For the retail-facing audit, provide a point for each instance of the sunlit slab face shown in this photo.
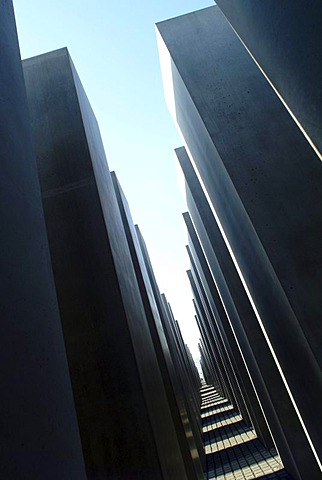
(166, 72)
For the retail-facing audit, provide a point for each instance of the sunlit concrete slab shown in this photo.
(221, 319)
(285, 41)
(115, 376)
(234, 453)
(221, 278)
(263, 183)
(176, 443)
(217, 405)
(39, 431)
(192, 431)
(214, 336)
(189, 377)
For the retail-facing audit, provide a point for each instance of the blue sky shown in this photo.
(113, 46)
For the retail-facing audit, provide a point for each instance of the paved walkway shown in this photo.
(232, 448)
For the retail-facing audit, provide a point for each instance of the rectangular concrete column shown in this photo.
(211, 345)
(229, 339)
(213, 358)
(175, 443)
(286, 42)
(211, 355)
(210, 377)
(215, 341)
(39, 431)
(275, 401)
(115, 375)
(263, 182)
(192, 436)
(191, 396)
(214, 372)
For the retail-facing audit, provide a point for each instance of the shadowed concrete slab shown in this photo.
(39, 431)
(262, 181)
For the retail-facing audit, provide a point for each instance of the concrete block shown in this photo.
(285, 41)
(263, 183)
(171, 433)
(107, 338)
(223, 280)
(191, 435)
(39, 431)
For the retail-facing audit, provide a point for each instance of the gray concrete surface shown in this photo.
(109, 347)
(285, 40)
(39, 431)
(176, 444)
(233, 451)
(192, 436)
(228, 335)
(263, 181)
(223, 280)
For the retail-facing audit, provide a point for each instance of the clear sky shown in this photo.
(113, 46)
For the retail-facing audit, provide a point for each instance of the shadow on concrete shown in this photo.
(219, 417)
(223, 433)
(215, 405)
(237, 457)
(214, 408)
(281, 475)
(239, 454)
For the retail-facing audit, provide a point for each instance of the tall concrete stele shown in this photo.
(285, 41)
(261, 182)
(178, 380)
(128, 427)
(39, 431)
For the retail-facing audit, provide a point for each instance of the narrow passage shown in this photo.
(233, 450)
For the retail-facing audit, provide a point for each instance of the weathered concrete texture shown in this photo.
(263, 182)
(220, 327)
(190, 381)
(115, 377)
(232, 449)
(275, 402)
(214, 361)
(169, 422)
(39, 431)
(209, 365)
(223, 280)
(190, 439)
(225, 290)
(214, 349)
(285, 40)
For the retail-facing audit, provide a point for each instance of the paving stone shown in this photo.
(232, 448)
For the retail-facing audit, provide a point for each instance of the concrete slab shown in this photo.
(286, 42)
(39, 431)
(174, 362)
(263, 181)
(174, 443)
(223, 280)
(113, 375)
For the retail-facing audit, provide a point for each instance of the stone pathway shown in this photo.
(232, 449)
